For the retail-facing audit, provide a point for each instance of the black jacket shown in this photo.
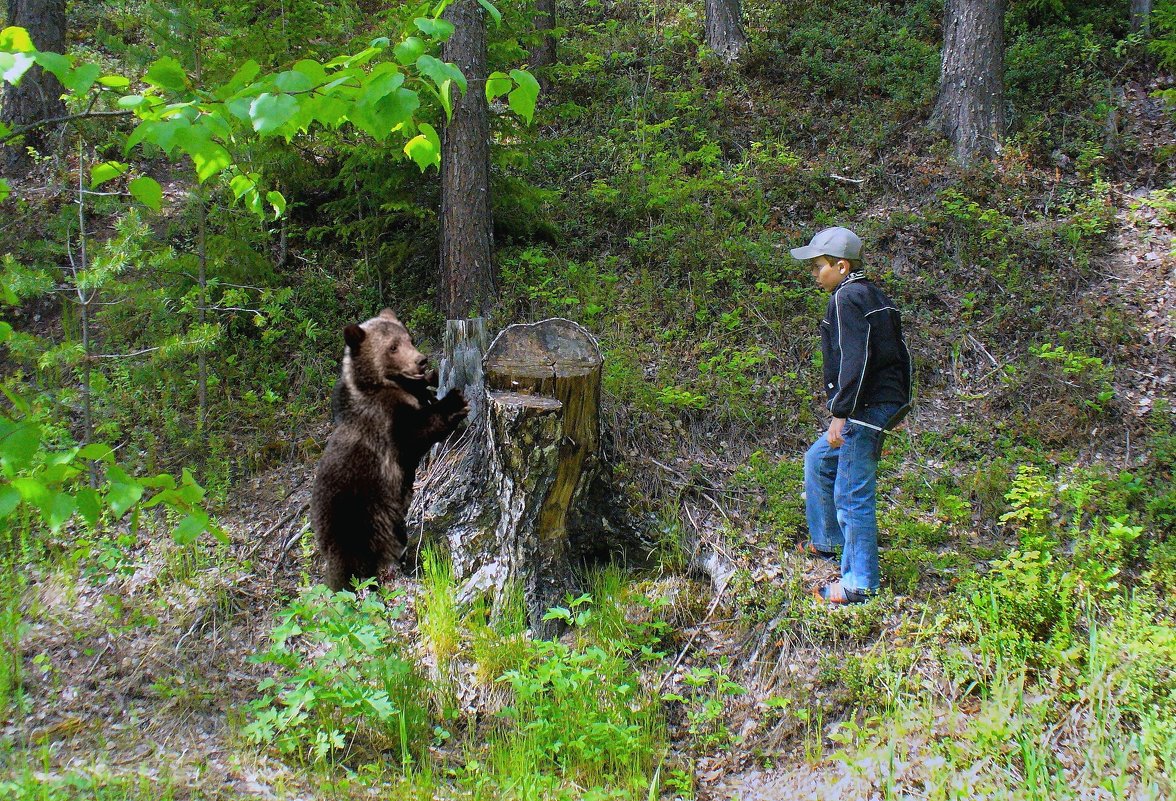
(866, 358)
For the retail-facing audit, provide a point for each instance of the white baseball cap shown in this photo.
(837, 242)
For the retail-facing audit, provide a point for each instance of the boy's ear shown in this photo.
(353, 335)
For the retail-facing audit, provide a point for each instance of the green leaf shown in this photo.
(270, 112)
(32, 491)
(383, 81)
(131, 102)
(114, 81)
(190, 528)
(491, 10)
(5, 328)
(211, 161)
(147, 191)
(9, 500)
(312, 70)
(293, 81)
(240, 184)
(241, 78)
(498, 84)
(161, 481)
(101, 173)
(81, 79)
(14, 65)
(166, 73)
(122, 496)
(59, 510)
(4, 190)
(208, 156)
(55, 63)
(16, 39)
(19, 444)
(438, 29)
(276, 200)
(522, 99)
(425, 148)
(89, 506)
(97, 452)
(439, 71)
(408, 51)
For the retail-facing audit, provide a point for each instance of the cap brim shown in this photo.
(805, 253)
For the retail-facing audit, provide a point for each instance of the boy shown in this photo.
(868, 383)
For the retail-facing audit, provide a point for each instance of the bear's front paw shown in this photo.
(455, 407)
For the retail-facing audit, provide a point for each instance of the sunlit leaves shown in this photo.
(270, 112)
(101, 173)
(425, 147)
(520, 86)
(17, 40)
(4, 190)
(114, 81)
(277, 201)
(166, 73)
(147, 191)
(522, 99)
(437, 29)
(377, 90)
(498, 84)
(408, 51)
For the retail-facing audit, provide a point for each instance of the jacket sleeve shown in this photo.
(853, 339)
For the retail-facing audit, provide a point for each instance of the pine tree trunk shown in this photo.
(544, 52)
(724, 31)
(1141, 16)
(467, 278)
(970, 106)
(38, 95)
(506, 494)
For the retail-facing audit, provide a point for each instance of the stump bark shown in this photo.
(504, 496)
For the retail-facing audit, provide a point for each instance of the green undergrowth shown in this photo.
(573, 712)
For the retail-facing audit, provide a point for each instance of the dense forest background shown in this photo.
(172, 306)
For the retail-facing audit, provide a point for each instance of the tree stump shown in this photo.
(504, 495)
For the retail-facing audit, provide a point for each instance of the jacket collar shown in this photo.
(849, 279)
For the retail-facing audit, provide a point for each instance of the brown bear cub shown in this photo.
(386, 418)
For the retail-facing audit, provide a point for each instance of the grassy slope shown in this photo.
(670, 188)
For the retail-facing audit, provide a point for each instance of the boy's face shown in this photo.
(828, 272)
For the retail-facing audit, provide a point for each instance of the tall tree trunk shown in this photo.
(467, 279)
(724, 31)
(38, 95)
(1141, 16)
(544, 53)
(970, 106)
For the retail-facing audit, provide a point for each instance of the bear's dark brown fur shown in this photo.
(386, 418)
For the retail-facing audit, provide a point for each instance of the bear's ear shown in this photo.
(388, 314)
(353, 335)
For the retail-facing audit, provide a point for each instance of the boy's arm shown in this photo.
(853, 339)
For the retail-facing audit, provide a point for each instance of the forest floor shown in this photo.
(141, 671)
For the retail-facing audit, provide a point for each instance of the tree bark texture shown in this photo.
(38, 95)
(467, 278)
(544, 53)
(1141, 16)
(724, 32)
(970, 106)
(504, 495)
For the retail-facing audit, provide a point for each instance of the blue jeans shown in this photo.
(840, 500)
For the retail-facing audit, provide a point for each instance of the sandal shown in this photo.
(835, 593)
(808, 549)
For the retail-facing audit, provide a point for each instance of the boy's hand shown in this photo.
(834, 434)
